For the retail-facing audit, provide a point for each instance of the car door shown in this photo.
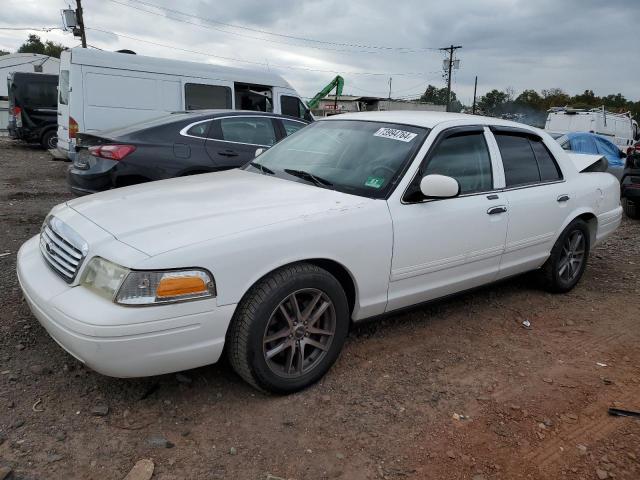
(442, 246)
(233, 140)
(536, 195)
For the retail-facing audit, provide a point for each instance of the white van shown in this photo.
(100, 90)
(620, 128)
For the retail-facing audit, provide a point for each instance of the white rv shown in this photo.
(100, 90)
(620, 128)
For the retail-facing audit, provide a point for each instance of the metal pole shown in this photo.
(389, 97)
(83, 36)
(450, 49)
(475, 90)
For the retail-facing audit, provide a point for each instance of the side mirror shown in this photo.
(259, 151)
(439, 186)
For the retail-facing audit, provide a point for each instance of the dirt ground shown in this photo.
(456, 390)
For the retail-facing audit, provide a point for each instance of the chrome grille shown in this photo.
(62, 248)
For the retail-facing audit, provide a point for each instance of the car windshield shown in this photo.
(352, 156)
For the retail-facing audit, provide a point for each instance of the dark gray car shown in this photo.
(182, 143)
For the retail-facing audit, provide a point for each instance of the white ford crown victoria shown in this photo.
(352, 217)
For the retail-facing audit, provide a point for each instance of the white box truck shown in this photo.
(620, 128)
(99, 90)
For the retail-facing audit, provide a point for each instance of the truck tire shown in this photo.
(631, 209)
(289, 329)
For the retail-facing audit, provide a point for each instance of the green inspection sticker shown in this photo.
(374, 182)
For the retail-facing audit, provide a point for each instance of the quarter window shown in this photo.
(466, 158)
(252, 130)
(549, 170)
(198, 96)
(199, 130)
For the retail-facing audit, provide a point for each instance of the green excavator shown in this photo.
(336, 83)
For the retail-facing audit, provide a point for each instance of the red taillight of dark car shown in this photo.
(16, 111)
(111, 152)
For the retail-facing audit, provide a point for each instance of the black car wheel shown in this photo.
(289, 329)
(631, 208)
(49, 140)
(568, 260)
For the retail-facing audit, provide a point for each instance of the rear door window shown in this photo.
(40, 95)
(250, 130)
(518, 159)
(198, 96)
(464, 157)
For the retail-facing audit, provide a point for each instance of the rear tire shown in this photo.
(631, 209)
(49, 140)
(565, 266)
(289, 329)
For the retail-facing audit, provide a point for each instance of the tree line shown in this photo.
(532, 105)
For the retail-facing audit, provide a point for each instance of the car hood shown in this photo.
(160, 216)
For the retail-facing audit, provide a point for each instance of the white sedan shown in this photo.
(352, 217)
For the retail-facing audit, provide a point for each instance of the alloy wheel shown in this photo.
(572, 256)
(299, 333)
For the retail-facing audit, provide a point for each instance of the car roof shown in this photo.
(427, 119)
(572, 135)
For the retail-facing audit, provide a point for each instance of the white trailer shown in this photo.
(21, 62)
(100, 90)
(620, 128)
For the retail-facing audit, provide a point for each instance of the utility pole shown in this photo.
(80, 21)
(389, 97)
(475, 90)
(450, 49)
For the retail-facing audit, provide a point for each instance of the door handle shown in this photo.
(496, 210)
(228, 153)
(563, 198)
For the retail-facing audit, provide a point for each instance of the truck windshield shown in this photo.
(353, 156)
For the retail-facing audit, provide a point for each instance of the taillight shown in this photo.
(16, 111)
(73, 127)
(112, 152)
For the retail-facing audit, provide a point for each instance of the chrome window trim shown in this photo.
(184, 131)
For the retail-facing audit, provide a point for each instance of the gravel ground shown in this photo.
(456, 390)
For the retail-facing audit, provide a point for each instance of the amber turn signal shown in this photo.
(177, 286)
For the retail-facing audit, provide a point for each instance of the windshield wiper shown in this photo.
(262, 168)
(310, 177)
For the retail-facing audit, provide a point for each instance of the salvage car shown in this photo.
(353, 217)
(179, 144)
(592, 144)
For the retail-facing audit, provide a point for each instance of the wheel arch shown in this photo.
(588, 217)
(335, 268)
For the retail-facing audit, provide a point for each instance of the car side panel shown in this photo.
(252, 254)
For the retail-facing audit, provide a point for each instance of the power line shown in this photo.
(38, 29)
(263, 64)
(281, 35)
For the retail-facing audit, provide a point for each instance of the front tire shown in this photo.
(289, 329)
(566, 264)
(631, 209)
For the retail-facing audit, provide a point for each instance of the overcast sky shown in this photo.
(569, 44)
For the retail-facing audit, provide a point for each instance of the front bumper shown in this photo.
(121, 341)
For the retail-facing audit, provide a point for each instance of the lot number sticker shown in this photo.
(395, 134)
(374, 182)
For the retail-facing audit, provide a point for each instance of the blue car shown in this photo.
(584, 142)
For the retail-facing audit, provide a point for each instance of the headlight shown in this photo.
(142, 287)
(103, 277)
